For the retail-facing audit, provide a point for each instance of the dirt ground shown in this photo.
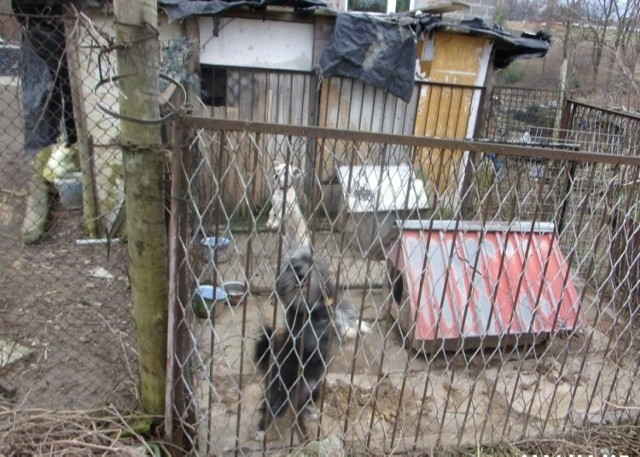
(77, 328)
(384, 398)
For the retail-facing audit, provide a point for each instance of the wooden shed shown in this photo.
(261, 66)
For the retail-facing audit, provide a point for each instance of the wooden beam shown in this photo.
(84, 145)
(139, 58)
(179, 345)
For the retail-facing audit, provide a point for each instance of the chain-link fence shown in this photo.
(500, 310)
(66, 333)
(472, 293)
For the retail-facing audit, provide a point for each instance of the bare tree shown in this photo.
(600, 20)
(521, 10)
(626, 14)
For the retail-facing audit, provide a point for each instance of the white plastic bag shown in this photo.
(63, 160)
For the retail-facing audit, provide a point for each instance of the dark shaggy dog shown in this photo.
(295, 357)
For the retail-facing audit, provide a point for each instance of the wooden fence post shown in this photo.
(138, 65)
(85, 145)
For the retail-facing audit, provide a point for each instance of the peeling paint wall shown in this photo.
(448, 112)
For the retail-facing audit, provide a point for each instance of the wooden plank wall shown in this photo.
(353, 105)
(261, 96)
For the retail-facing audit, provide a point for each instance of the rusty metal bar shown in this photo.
(604, 110)
(519, 289)
(469, 296)
(247, 274)
(384, 345)
(392, 298)
(439, 319)
(589, 341)
(338, 284)
(422, 279)
(501, 270)
(222, 153)
(448, 85)
(353, 365)
(426, 142)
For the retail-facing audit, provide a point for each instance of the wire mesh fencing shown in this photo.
(512, 111)
(607, 131)
(391, 294)
(452, 293)
(66, 333)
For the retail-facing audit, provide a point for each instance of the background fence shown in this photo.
(511, 112)
(382, 395)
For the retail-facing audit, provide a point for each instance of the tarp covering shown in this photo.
(179, 9)
(46, 92)
(381, 49)
(508, 47)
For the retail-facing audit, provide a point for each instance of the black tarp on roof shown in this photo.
(179, 9)
(381, 49)
(378, 49)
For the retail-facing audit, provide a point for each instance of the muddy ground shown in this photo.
(381, 397)
(77, 328)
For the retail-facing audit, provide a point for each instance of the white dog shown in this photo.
(286, 211)
(285, 175)
(285, 206)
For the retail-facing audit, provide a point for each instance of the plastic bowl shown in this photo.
(70, 190)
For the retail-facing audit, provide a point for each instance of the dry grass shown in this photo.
(594, 440)
(103, 431)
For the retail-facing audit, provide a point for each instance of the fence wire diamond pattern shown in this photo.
(567, 350)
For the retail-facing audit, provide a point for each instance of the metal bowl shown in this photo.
(205, 299)
(216, 249)
(236, 291)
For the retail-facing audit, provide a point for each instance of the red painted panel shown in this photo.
(486, 283)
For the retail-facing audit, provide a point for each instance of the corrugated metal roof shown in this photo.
(519, 286)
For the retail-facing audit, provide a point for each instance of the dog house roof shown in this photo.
(485, 281)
